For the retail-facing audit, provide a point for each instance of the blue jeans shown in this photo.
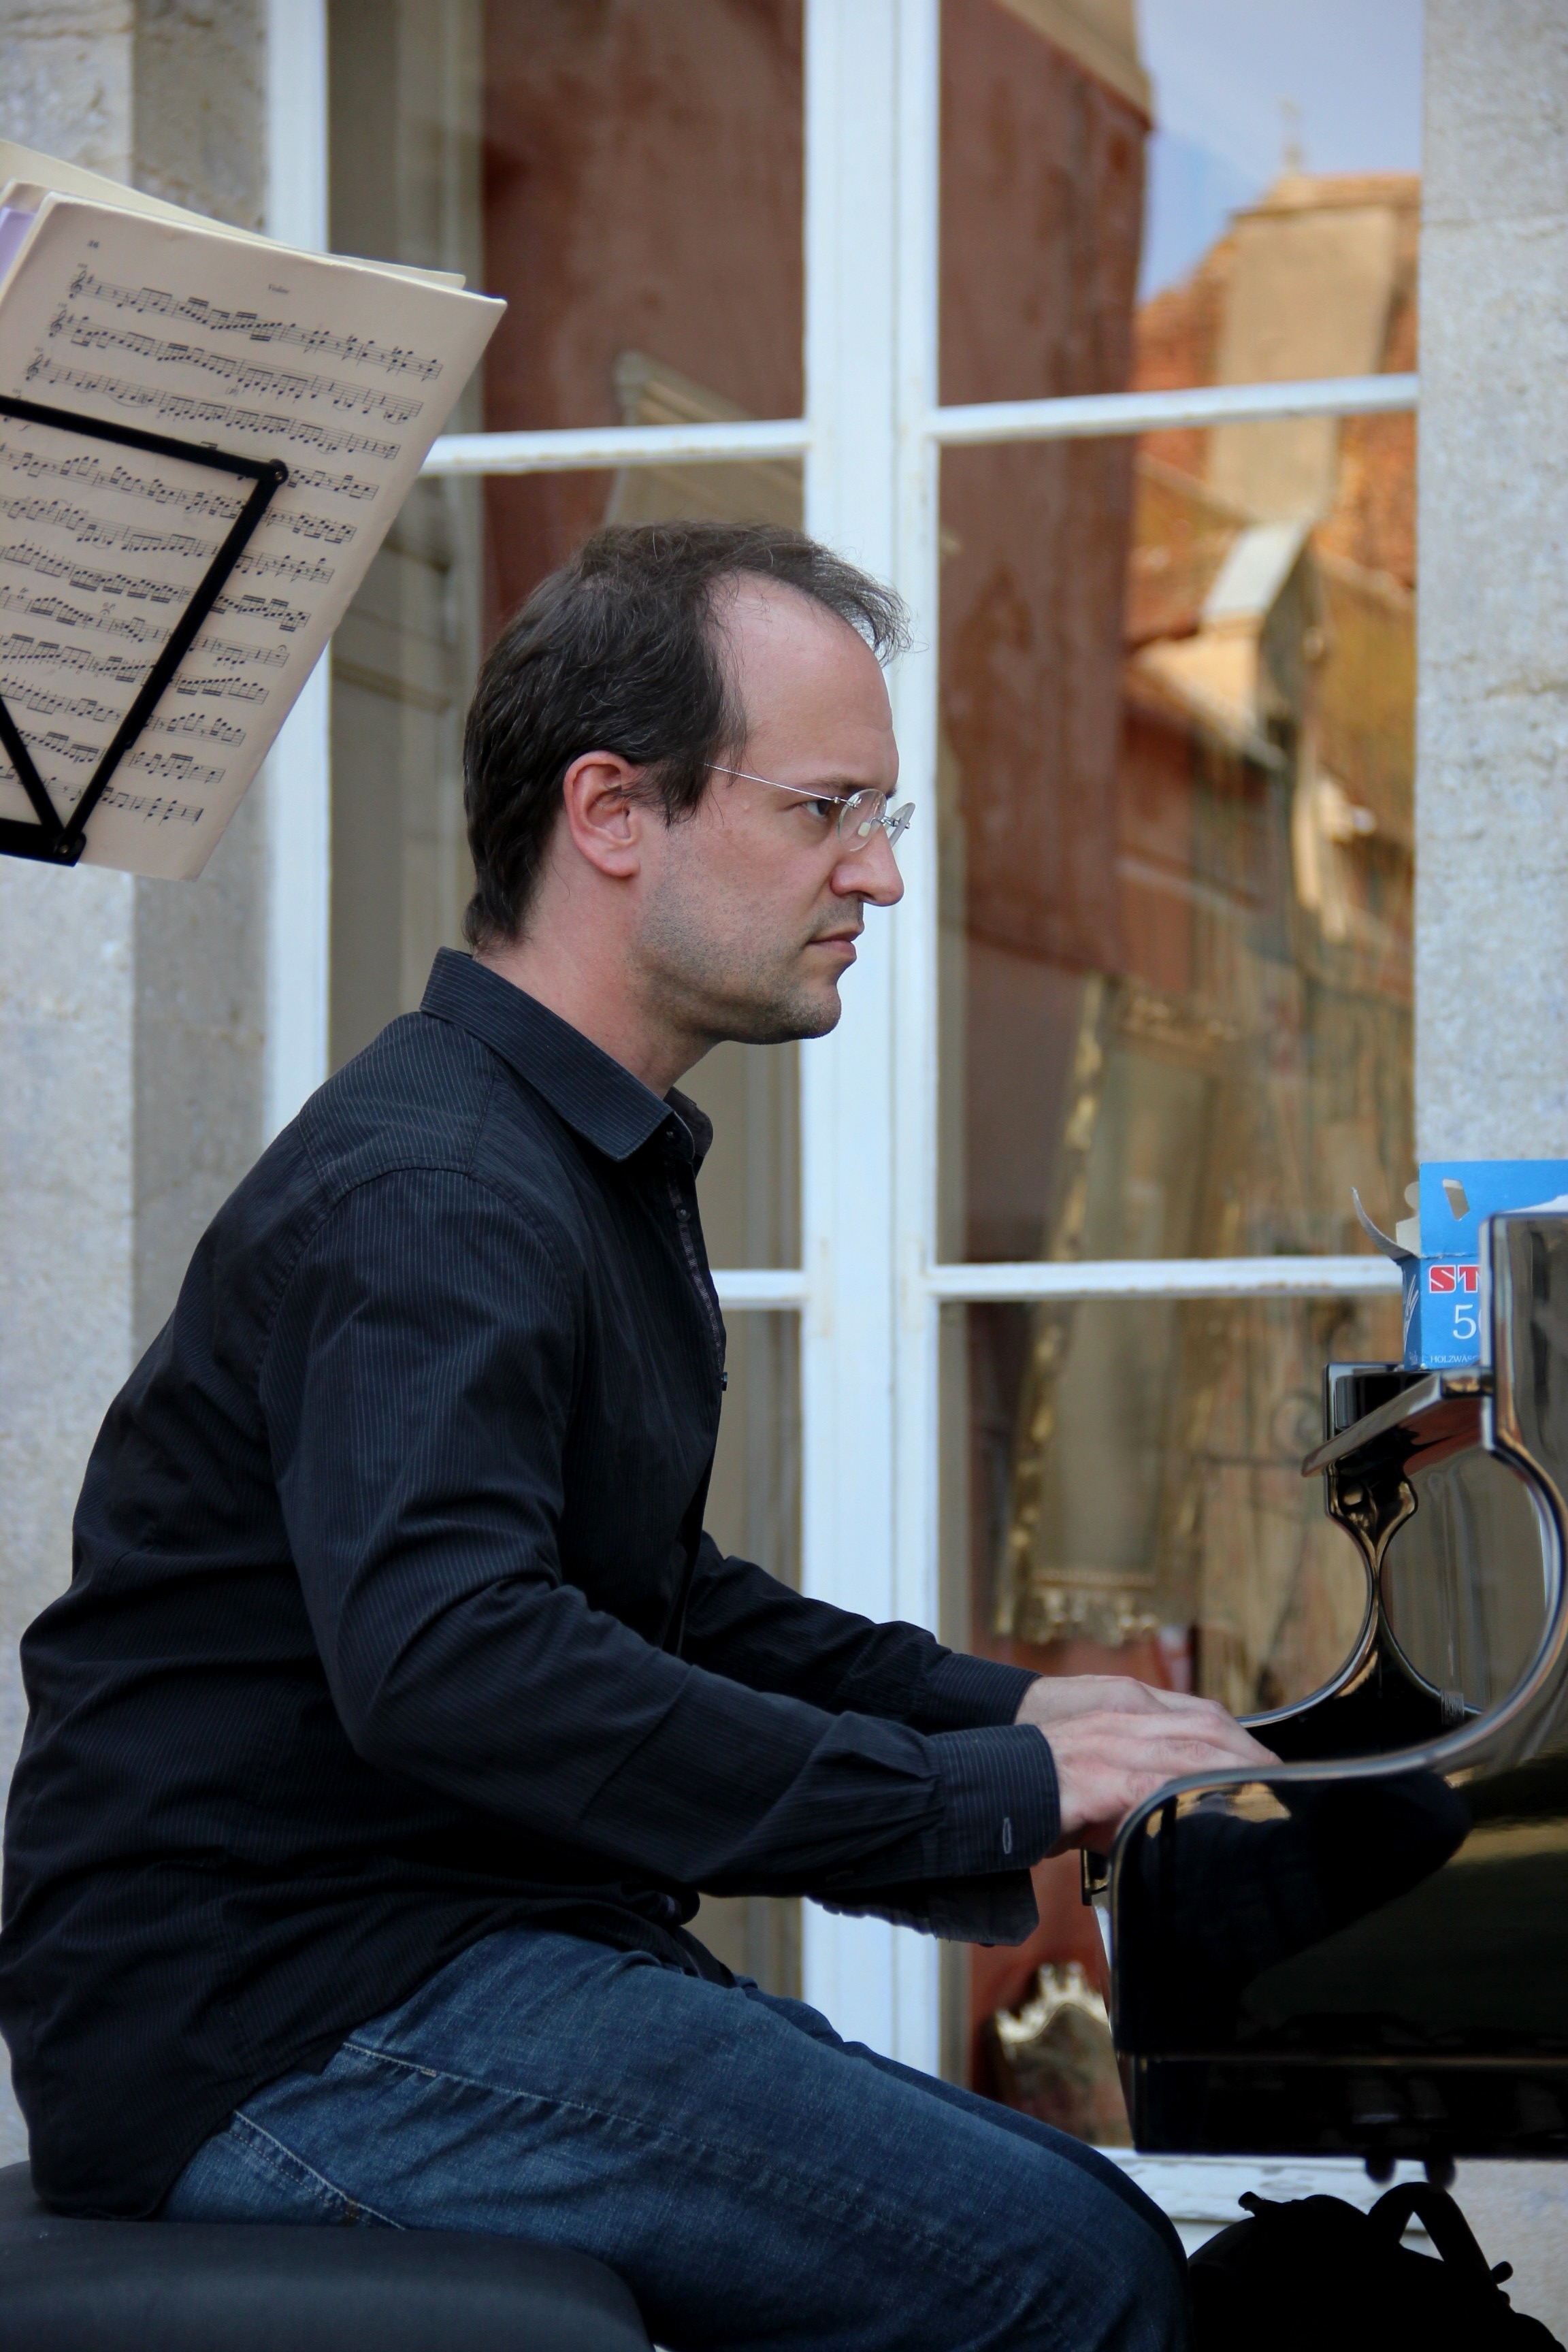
(755, 2180)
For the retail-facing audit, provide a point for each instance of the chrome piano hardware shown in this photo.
(1366, 1952)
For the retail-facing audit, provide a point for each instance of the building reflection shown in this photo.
(1204, 1054)
(1221, 1049)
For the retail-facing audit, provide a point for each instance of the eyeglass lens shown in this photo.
(863, 813)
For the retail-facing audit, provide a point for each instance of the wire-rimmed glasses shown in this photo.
(861, 814)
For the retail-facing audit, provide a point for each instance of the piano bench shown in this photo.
(191, 2286)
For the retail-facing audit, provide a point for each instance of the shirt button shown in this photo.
(684, 1215)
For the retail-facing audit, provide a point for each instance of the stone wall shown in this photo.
(1491, 849)
(131, 1012)
(1492, 800)
(65, 78)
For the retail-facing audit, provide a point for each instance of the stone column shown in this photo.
(1492, 800)
(131, 1012)
(198, 138)
(1492, 803)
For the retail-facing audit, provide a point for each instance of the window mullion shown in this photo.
(1164, 1277)
(875, 1981)
(296, 778)
(914, 1035)
(985, 424)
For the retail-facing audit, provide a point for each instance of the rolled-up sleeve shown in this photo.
(419, 1389)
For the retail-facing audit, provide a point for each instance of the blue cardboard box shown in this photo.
(1437, 1251)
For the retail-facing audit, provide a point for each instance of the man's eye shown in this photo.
(825, 810)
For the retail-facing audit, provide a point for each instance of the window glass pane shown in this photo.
(1466, 1584)
(1252, 163)
(753, 1509)
(567, 159)
(1128, 1479)
(1043, 116)
(1176, 806)
(643, 211)
(750, 1183)
(1263, 108)
(1122, 1493)
(406, 185)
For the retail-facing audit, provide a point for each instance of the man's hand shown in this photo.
(1115, 1741)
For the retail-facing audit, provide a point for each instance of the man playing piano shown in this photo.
(399, 1706)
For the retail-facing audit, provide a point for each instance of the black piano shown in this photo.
(1365, 1952)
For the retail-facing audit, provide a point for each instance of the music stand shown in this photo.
(59, 841)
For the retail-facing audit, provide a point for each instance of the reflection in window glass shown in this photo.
(1178, 707)
(750, 1182)
(1177, 719)
(1122, 1493)
(1131, 1482)
(1251, 155)
(1466, 1580)
(753, 1510)
(1177, 834)
(1317, 279)
(1045, 109)
(405, 186)
(1251, 93)
(643, 204)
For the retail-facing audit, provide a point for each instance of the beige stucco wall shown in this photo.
(1491, 854)
(64, 78)
(1491, 823)
(131, 1012)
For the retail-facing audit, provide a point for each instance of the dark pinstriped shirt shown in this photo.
(392, 1619)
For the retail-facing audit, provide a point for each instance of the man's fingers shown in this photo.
(1109, 1762)
(1052, 1699)
(1115, 1741)
(1144, 1737)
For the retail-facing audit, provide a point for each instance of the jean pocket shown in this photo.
(247, 2174)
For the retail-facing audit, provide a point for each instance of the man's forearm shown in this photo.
(746, 1624)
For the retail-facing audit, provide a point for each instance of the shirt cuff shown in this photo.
(1000, 1807)
(962, 1693)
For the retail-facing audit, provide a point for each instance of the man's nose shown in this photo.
(871, 873)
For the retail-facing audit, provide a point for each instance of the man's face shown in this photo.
(753, 903)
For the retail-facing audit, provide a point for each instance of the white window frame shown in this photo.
(297, 779)
(870, 1287)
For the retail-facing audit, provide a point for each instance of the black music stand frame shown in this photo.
(59, 841)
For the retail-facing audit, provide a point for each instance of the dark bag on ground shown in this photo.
(1319, 2273)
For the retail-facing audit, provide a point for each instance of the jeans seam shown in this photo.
(797, 2184)
(262, 2159)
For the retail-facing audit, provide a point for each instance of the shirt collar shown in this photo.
(594, 1094)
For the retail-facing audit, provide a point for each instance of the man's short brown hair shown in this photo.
(619, 651)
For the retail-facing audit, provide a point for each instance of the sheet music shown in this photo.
(345, 373)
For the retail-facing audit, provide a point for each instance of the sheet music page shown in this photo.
(345, 373)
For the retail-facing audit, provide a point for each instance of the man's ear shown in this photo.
(604, 816)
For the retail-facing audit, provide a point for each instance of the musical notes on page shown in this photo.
(343, 372)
